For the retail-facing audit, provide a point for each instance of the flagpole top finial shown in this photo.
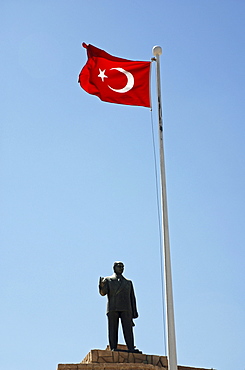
(157, 50)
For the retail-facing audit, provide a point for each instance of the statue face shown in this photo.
(118, 268)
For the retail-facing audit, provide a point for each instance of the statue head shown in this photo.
(118, 267)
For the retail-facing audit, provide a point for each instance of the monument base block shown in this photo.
(98, 359)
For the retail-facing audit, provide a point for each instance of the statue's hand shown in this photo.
(103, 288)
(102, 282)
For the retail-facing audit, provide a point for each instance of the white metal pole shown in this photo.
(172, 353)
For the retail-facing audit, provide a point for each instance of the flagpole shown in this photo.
(172, 352)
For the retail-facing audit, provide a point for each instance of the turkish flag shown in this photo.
(116, 80)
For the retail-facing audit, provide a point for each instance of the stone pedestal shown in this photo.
(106, 359)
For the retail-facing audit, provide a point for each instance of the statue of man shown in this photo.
(121, 304)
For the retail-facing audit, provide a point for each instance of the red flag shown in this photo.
(116, 80)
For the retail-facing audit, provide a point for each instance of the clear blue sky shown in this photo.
(77, 186)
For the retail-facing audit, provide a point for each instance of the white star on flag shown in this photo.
(102, 75)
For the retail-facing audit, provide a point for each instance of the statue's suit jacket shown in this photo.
(120, 295)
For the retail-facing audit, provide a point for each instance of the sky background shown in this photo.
(77, 184)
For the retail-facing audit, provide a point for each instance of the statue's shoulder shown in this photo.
(110, 278)
(127, 280)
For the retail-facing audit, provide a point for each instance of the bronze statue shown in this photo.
(121, 304)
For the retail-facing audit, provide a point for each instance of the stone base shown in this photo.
(106, 359)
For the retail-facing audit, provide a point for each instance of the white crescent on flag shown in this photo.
(130, 81)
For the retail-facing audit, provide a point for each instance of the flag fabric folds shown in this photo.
(116, 80)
